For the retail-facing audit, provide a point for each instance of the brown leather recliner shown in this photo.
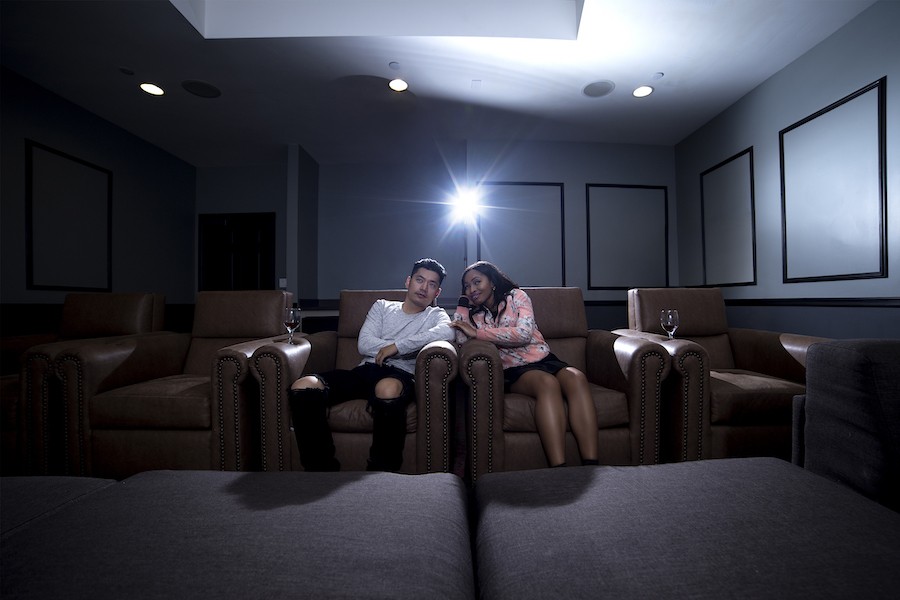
(429, 426)
(171, 400)
(32, 401)
(731, 389)
(625, 374)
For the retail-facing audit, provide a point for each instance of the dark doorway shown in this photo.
(237, 251)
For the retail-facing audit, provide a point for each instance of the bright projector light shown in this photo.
(465, 205)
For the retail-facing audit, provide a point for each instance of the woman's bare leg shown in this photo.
(582, 413)
(549, 412)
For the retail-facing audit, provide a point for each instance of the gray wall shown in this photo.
(860, 53)
(153, 210)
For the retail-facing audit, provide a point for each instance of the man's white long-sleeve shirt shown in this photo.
(386, 324)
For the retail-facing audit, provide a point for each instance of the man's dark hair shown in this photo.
(431, 265)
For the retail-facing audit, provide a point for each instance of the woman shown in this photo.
(494, 309)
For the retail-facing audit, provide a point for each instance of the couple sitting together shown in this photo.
(491, 308)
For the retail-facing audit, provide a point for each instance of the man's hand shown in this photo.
(385, 353)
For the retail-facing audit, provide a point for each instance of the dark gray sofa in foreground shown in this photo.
(738, 528)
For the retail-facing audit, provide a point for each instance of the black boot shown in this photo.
(388, 434)
(309, 412)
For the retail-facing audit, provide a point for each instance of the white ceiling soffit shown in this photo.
(538, 19)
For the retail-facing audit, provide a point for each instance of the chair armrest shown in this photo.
(636, 367)
(685, 397)
(234, 406)
(481, 370)
(40, 406)
(436, 366)
(95, 366)
(777, 354)
(276, 366)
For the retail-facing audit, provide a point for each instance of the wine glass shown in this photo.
(291, 321)
(668, 318)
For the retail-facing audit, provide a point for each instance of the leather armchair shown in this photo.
(32, 400)
(847, 426)
(171, 400)
(731, 389)
(625, 375)
(428, 422)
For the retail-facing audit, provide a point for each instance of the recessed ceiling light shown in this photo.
(641, 92)
(152, 89)
(398, 85)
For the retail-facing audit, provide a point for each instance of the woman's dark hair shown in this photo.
(501, 283)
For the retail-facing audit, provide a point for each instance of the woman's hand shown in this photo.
(467, 329)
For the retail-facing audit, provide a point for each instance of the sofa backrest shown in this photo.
(560, 317)
(91, 315)
(229, 317)
(851, 426)
(352, 310)
(701, 313)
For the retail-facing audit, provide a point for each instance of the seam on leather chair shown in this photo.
(221, 412)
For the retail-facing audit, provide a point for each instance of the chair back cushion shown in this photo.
(560, 317)
(90, 315)
(352, 310)
(701, 313)
(228, 317)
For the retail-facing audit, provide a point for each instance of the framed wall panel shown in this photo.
(627, 236)
(521, 229)
(728, 209)
(68, 221)
(833, 191)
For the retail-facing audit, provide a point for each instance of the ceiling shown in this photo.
(315, 72)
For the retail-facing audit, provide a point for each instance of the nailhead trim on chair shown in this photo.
(221, 411)
(79, 373)
(445, 418)
(262, 412)
(44, 441)
(685, 393)
(490, 400)
(644, 405)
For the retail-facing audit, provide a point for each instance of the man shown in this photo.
(389, 341)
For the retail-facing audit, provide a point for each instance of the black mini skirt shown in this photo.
(549, 364)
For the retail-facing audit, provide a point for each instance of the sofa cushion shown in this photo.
(731, 528)
(211, 534)
(353, 417)
(175, 402)
(747, 398)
